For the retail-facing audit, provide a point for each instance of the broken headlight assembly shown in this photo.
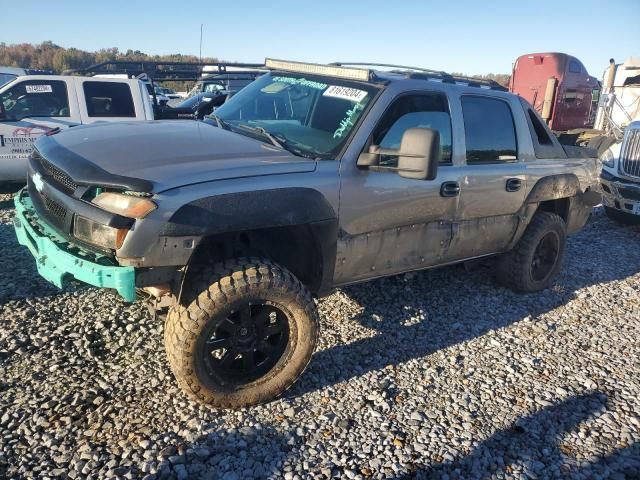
(98, 234)
(127, 205)
(130, 206)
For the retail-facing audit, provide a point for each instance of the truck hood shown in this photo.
(163, 154)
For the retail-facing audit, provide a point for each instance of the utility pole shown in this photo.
(201, 43)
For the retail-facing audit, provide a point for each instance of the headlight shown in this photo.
(98, 234)
(607, 158)
(126, 205)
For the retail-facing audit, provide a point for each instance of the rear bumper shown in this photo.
(580, 208)
(58, 260)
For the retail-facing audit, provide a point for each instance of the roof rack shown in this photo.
(164, 71)
(428, 74)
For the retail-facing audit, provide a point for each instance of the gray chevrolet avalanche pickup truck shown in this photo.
(310, 178)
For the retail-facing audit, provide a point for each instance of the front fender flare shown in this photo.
(242, 211)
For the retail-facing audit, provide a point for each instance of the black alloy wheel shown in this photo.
(248, 343)
(545, 256)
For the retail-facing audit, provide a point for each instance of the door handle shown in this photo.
(513, 184)
(450, 189)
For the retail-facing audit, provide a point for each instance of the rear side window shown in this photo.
(108, 99)
(489, 130)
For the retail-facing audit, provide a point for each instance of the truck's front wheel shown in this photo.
(245, 337)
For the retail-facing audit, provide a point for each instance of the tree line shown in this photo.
(49, 56)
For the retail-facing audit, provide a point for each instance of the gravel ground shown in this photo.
(439, 374)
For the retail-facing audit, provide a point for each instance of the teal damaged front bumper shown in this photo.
(58, 260)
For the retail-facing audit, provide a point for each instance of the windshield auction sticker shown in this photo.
(301, 81)
(345, 93)
(38, 88)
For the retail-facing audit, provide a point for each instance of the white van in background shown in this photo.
(34, 105)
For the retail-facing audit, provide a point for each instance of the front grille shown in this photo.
(630, 153)
(55, 175)
(629, 194)
(54, 208)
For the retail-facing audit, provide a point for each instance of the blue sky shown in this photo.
(463, 36)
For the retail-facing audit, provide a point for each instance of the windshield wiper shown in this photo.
(277, 140)
(221, 123)
(274, 141)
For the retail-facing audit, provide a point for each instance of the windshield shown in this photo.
(311, 116)
(6, 78)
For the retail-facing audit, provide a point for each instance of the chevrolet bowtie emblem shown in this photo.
(36, 178)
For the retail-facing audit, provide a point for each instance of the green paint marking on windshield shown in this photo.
(301, 81)
(348, 121)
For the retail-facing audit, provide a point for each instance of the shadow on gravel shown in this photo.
(532, 445)
(541, 433)
(418, 314)
(249, 452)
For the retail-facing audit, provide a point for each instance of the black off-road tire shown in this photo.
(622, 217)
(213, 293)
(515, 268)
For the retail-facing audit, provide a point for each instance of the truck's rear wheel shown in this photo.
(537, 258)
(247, 334)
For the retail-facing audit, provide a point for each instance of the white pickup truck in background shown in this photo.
(32, 106)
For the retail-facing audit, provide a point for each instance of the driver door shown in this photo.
(389, 223)
(32, 108)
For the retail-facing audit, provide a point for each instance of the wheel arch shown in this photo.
(560, 194)
(308, 250)
(296, 227)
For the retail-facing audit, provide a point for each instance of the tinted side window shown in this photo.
(36, 98)
(108, 99)
(411, 111)
(489, 130)
(574, 67)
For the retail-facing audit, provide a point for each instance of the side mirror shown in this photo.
(419, 153)
(418, 156)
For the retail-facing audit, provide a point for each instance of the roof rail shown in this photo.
(428, 74)
(386, 65)
(162, 71)
(462, 80)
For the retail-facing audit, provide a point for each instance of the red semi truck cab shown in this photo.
(559, 88)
